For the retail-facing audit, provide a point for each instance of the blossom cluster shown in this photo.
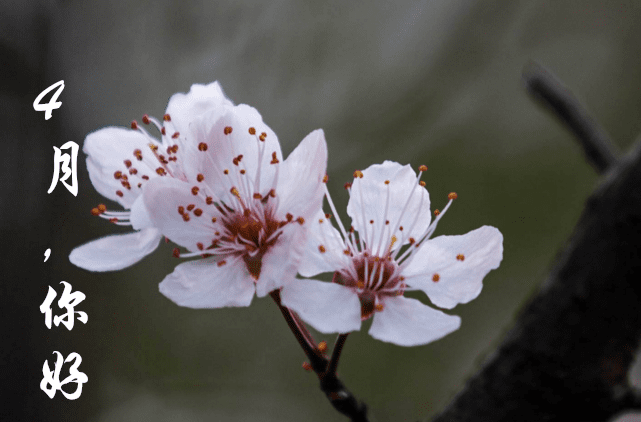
(213, 180)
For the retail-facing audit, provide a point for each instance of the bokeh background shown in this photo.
(421, 82)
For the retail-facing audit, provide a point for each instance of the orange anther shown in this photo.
(191, 207)
(134, 124)
(252, 131)
(161, 171)
(181, 210)
(272, 193)
(145, 119)
(175, 135)
(387, 182)
(102, 208)
(360, 284)
(95, 211)
(163, 131)
(234, 192)
(322, 346)
(321, 248)
(209, 200)
(307, 366)
(422, 167)
(379, 307)
(436, 278)
(119, 193)
(358, 174)
(258, 196)
(200, 246)
(274, 158)
(300, 220)
(200, 177)
(325, 178)
(436, 212)
(460, 257)
(127, 163)
(422, 183)
(194, 190)
(227, 130)
(452, 195)
(167, 118)
(221, 263)
(202, 146)
(186, 217)
(198, 212)
(347, 185)
(213, 219)
(117, 175)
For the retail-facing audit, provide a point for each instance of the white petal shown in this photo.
(459, 281)
(201, 100)
(323, 234)
(328, 307)
(193, 115)
(107, 149)
(300, 183)
(223, 148)
(139, 217)
(163, 196)
(117, 251)
(204, 284)
(280, 262)
(370, 197)
(407, 322)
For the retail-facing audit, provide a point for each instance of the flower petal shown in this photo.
(328, 307)
(280, 262)
(224, 147)
(201, 100)
(402, 202)
(458, 263)
(139, 217)
(193, 115)
(300, 183)
(204, 284)
(107, 149)
(117, 251)
(324, 250)
(407, 322)
(163, 197)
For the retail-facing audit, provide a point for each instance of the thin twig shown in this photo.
(336, 353)
(335, 391)
(548, 90)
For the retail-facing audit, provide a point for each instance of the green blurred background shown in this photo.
(418, 82)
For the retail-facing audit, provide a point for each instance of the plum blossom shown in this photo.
(386, 252)
(246, 211)
(122, 161)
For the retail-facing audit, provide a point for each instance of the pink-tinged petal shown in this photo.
(328, 307)
(117, 251)
(205, 284)
(229, 139)
(325, 248)
(163, 197)
(450, 269)
(280, 262)
(300, 183)
(107, 151)
(407, 322)
(402, 202)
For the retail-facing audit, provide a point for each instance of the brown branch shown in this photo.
(569, 352)
(550, 92)
(335, 391)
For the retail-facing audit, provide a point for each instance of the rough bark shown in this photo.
(568, 354)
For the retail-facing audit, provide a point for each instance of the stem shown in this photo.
(545, 87)
(336, 354)
(335, 391)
